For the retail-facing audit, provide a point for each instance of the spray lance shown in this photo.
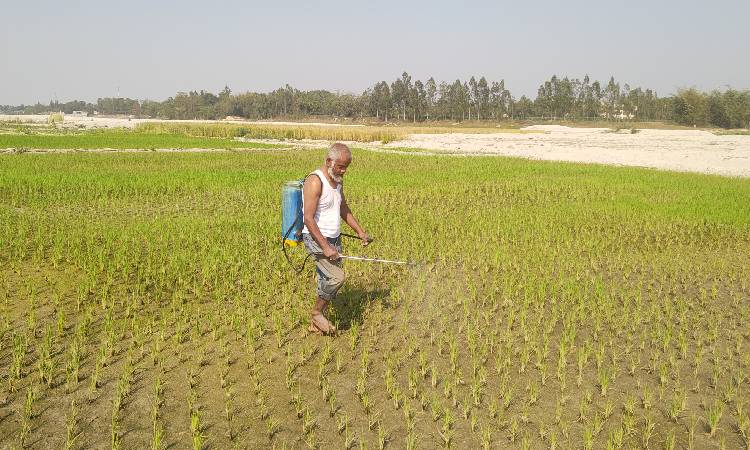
(291, 226)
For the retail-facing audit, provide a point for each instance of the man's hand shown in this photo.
(330, 253)
(366, 239)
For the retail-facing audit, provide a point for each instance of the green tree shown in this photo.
(431, 92)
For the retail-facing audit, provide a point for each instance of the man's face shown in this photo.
(337, 168)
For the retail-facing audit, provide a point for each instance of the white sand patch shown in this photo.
(681, 150)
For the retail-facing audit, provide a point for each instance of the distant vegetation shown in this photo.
(414, 101)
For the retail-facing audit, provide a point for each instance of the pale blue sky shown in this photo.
(82, 49)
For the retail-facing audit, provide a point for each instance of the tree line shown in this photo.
(408, 100)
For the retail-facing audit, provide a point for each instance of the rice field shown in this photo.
(53, 139)
(144, 303)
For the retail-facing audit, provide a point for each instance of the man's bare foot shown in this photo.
(319, 323)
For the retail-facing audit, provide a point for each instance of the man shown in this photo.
(323, 207)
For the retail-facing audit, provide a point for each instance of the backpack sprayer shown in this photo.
(291, 226)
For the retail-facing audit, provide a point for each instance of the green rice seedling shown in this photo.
(45, 363)
(332, 407)
(373, 420)
(412, 379)
(604, 378)
(678, 405)
(582, 360)
(597, 423)
(558, 411)
(628, 424)
(71, 426)
(647, 398)
(298, 404)
(94, 379)
(423, 368)
(513, 430)
(616, 439)
(466, 408)
(492, 408)
(525, 357)
(383, 437)
(196, 430)
(28, 406)
(692, 425)
(26, 417)
(436, 409)
(588, 395)
(157, 436)
(648, 431)
(308, 422)
(397, 397)
(713, 416)
(339, 362)
(588, 438)
(543, 373)
(552, 440)
(353, 335)
(229, 415)
(609, 409)
(486, 441)
(663, 375)
(533, 393)
(729, 392)
(669, 443)
(366, 402)
(115, 437)
(265, 411)
(411, 440)
(583, 408)
(508, 396)
(272, 427)
(17, 362)
(322, 372)
(290, 380)
(343, 423)
(349, 438)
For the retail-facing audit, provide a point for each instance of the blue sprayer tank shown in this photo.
(291, 212)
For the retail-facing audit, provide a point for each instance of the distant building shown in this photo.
(79, 113)
(618, 114)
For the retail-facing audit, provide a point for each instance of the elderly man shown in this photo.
(323, 207)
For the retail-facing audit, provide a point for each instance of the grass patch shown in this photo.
(735, 132)
(122, 139)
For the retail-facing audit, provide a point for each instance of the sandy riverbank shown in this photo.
(681, 150)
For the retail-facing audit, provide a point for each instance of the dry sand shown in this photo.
(680, 150)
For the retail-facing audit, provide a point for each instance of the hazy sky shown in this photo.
(152, 49)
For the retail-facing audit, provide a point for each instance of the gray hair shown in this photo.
(337, 150)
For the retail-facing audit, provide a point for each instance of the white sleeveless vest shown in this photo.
(328, 214)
